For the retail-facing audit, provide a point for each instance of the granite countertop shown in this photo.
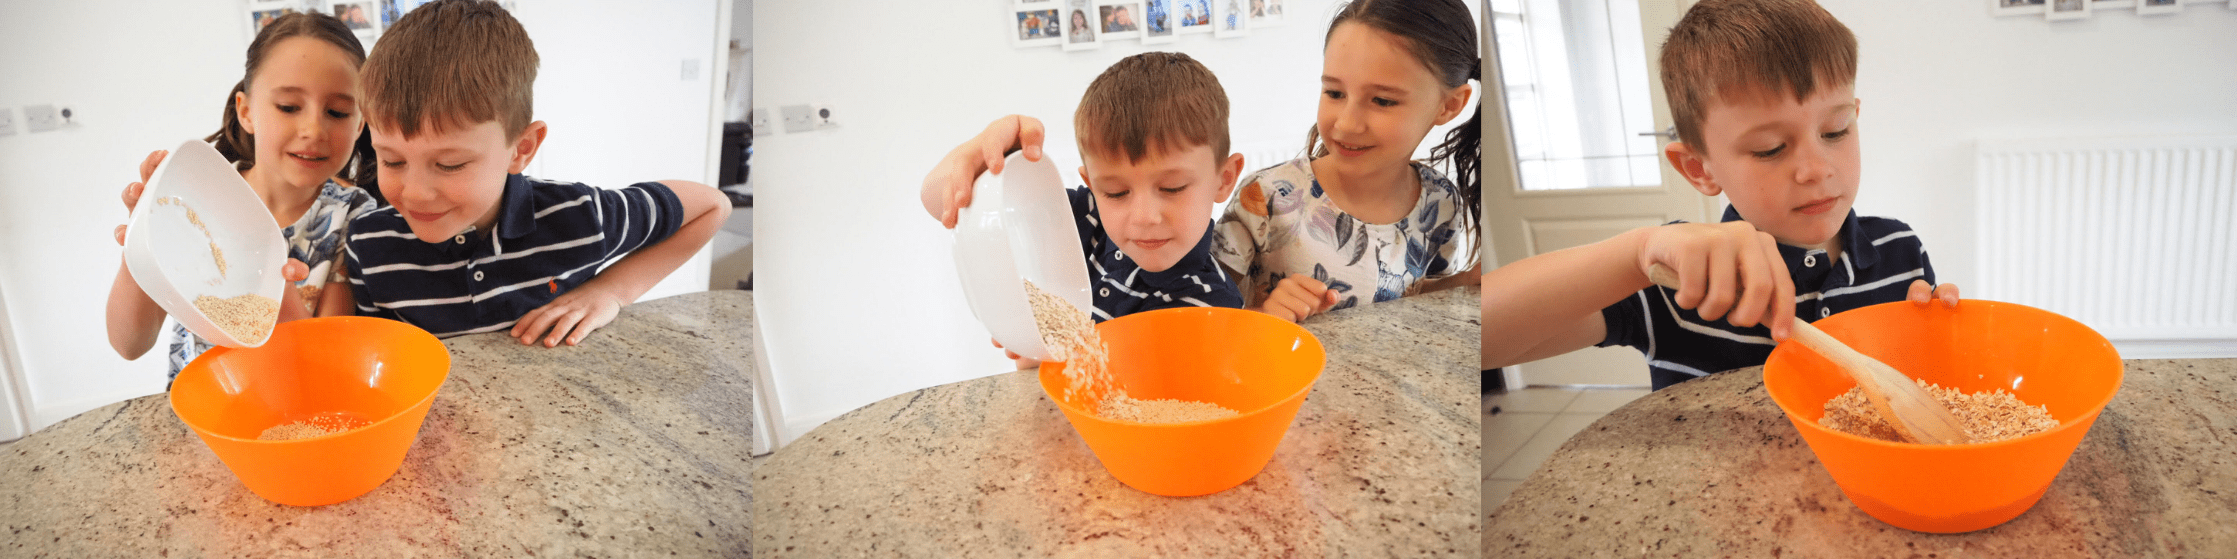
(1382, 460)
(633, 443)
(1712, 467)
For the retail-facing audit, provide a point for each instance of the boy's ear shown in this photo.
(241, 111)
(524, 147)
(1455, 102)
(1084, 180)
(1693, 166)
(1229, 170)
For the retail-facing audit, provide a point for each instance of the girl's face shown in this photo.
(1377, 100)
(302, 107)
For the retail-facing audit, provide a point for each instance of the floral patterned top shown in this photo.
(1282, 223)
(316, 239)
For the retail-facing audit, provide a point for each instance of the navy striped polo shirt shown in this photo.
(1121, 288)
(1879, 259)
(549, 237)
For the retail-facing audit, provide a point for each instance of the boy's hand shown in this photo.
(1022, 362)
(1727, 270)
(132, 191)
(1921, 294)
(570, 317)
(1297, 298)
(948, 187)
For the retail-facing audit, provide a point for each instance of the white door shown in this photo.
(14, 421)
(1583, 103)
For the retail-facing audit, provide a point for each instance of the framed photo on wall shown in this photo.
(2069, 9)
(2158, 6)
(1266, 13)
(1036, 26)
(1158, 23)
(1230, 19)
(1119, 20)
(362, 17)
(263, 13)
(1080, 31)
(1192, 16)
(2017, 7)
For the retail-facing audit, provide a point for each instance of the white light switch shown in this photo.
(798, 118)
(40, 118)
(761, 124)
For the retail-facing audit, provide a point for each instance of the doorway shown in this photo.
(1586, 120)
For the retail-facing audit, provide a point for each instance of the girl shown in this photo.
(1358, 221)
(290, 126)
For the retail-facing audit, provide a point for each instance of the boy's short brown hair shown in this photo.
(1152, 101)
(1751, 47)
(452, 64)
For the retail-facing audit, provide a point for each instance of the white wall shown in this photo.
(145, 75)
(857, 295)
(1935, 77)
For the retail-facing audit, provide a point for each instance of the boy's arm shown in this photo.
(593, 304)
(1550, 304)
(948, 187)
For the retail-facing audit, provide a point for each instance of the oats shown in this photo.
(1987, 416)
(1070, 337)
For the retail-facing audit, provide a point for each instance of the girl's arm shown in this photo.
(134, 319)
(335, 299)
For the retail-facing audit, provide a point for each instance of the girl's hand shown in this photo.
(948, 187)
(295, 307)
(1298, 297)
(1725, 270)
(1922, 294)
(570, 317)
(132, 191)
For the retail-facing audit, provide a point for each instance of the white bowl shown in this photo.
(1019, 226)
(170, 258)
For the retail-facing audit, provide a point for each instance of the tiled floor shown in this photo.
(1531, 424)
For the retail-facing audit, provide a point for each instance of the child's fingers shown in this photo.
(120, 235)
(1782, 290)
(1948, 293)
(1723, 287)
(147, 166)
(1919, 293)
(535, 323)
(294, 270)
(131, 195)
(1030, 134)
(568, 320)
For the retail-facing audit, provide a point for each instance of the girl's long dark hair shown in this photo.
(1442, 36)
(239, 146)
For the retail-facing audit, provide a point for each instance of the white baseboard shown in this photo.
(2176, 349)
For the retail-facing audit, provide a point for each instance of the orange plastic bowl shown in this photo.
(2042, 358)
(1260, 366)
(365, 369)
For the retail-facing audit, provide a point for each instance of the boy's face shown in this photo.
(1790, 168)
(444, 181)
(1157, 209)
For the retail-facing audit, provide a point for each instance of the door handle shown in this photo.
(1671, 133)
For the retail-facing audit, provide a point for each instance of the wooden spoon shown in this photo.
(1914, 414)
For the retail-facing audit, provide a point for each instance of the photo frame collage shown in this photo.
(1087, 24)
(2060, 10)
(367, 18)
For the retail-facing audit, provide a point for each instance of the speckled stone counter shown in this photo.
(1711, 467)
(1381, 461)
(633, 444)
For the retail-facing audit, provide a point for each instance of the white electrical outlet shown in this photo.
(798, 118)
(761, 124)
(7, 121)
(823, 117)
(40, 118)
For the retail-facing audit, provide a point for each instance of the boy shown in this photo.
(470, 245)
(1762, 94)
(1154, 156)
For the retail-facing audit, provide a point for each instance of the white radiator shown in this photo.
(2135, 237)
